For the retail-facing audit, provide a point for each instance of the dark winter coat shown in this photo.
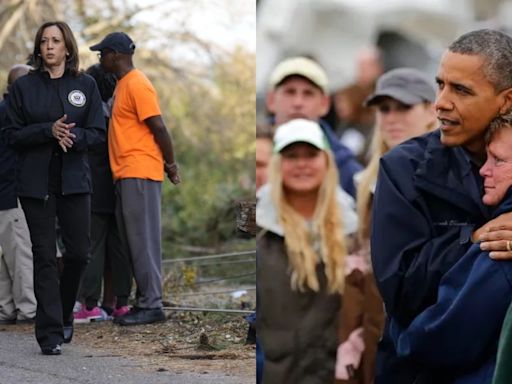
(298, 330)
(460, 332)
(427, 204)
(346, 162)
(7, 165)
(30, 130)
(103, 198)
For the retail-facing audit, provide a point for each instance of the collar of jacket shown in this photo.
(266, 212)
(446, 172)
(505, 205)
(44, 74)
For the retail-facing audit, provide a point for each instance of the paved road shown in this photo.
(21, 362)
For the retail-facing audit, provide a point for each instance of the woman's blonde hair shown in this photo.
(366, 184)
(369, 177)
(327, 231)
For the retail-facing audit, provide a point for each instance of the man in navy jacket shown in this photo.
(428, 197)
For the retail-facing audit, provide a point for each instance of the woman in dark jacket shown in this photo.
(301, 253)
(456, 339)
(55, 114)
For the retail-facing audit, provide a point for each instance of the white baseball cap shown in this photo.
(300, 66)
(299, 130)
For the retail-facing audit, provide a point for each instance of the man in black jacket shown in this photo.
(17, 301)
(109, 257)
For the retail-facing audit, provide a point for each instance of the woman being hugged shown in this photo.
(301, 251)
(55, 113)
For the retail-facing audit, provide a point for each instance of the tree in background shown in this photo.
(207, 97)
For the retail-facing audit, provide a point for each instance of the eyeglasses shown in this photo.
(105, 52)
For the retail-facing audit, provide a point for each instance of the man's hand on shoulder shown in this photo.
(496, 237)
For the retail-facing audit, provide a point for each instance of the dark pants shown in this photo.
(106, 246)
(56, 297)
(138, 214)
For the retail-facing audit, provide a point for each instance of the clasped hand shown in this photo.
(62, 132)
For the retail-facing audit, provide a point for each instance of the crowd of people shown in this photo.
(395, 272)
(398, 272)
(86, 151)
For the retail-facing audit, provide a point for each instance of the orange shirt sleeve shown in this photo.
(144, 99)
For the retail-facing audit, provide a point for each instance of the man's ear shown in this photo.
(325, 105)
(507, 103)
(270, 101)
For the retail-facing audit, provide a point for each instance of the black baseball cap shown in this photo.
(407, 85)
(117, 41)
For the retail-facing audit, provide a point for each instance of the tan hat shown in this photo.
(299, 66)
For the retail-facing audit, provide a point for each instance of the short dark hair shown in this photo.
(496, 49)
(72, 61)
(496, 125)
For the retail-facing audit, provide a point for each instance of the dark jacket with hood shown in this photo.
(427, 204)
(460, 332)
(30, 130)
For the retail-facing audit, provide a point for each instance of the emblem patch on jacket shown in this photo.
(77, 98)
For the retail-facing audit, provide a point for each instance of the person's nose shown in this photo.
(301, 161)
(298, 100)
(443, 102)
(485, 171)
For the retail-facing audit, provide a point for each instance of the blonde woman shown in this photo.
(403, 100)
(301, 251)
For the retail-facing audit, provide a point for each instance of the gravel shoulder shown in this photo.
(188, 348)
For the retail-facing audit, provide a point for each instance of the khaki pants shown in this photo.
(17, 300)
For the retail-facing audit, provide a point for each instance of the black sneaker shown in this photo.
(138, 316)
(68, 333)
(52, 350)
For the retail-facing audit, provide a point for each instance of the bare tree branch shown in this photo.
(11, 22)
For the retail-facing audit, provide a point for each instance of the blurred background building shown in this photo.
(342, 34)
(409, 32)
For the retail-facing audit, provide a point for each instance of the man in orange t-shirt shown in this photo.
(140, 150)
